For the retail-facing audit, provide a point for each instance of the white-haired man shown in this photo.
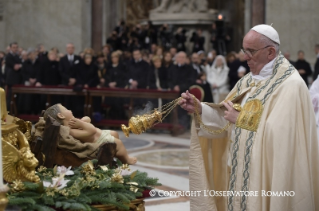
(268, 159)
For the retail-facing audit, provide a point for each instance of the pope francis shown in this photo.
(258, 149)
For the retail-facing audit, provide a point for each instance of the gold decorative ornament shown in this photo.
(117, 177)
(237, 107)
(18, 164)
(88, 168)
(250, 115)
(17, 186)
(3, 197)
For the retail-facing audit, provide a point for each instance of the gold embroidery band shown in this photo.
(250, 115)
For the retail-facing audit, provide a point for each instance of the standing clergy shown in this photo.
(262, 137)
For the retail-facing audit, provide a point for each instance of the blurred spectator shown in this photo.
(55, 50)
(198, 39)
(316, 68)
(30, 69)
(24, 56)
(42, 53)
(127, 58)
(214, 34)
(211, 57)
(137, 35)
(165, 37)
(180, 39)
(121, 28)
(68, 64)
(202, 82)
(173, 52)
(153, 48)
(159, 52)
(106, 50)
(49, 73)
(146, 56)
(158, 77)
(167, 60)
(181, 74)
(217, 76)
(233, 64)
(86, 77)
(114, 41)
(13, 70)
(303, 67)
(138, 71)
(180, 78)
(117, 74)
(150, 35)
(102, 69)
(195, 63)
(243, 68)
(201, 57)
(116, 78)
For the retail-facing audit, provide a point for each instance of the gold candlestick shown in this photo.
(3, 197)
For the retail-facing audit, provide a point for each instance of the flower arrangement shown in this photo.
(81, 188)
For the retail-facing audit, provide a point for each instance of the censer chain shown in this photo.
(167, 108)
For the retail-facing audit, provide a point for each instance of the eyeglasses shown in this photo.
(251, 53)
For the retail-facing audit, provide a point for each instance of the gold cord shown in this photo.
(206, 128)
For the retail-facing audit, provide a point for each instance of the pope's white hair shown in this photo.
(266, 41)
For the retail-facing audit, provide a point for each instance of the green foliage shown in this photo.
(86, 187)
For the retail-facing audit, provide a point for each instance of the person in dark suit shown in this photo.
(29, 71)
(138, 71)
(116, 77)
(180, 78)
(196, 65)
(180, 38)
(181, 75)
(233, 63)
(303, 67)
(66, 63)
(49, 75)
(316, 69)
(13, 65)
(158, 78)
(86, 77)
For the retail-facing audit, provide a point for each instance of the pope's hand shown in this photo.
(187, 103)
(231, 114)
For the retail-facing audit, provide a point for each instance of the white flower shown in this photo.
(125, 172)
(64, 170)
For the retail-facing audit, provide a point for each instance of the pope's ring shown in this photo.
(237, 107)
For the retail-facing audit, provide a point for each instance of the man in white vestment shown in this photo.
(260, 144)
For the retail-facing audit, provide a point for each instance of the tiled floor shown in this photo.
(164, 157)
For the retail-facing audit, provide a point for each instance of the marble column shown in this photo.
(97, 17)
(257, 12)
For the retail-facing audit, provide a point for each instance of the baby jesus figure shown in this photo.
(83, 130)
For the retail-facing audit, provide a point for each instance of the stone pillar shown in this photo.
(97, 19)
(257, 12)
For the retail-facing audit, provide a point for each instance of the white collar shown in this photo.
(265, 72)
(318, 55)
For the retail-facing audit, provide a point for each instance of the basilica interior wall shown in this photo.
(297, 24)
(53, 23)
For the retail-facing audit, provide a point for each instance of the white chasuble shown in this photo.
(269, 159)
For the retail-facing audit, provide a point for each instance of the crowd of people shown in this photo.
(139, 59)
